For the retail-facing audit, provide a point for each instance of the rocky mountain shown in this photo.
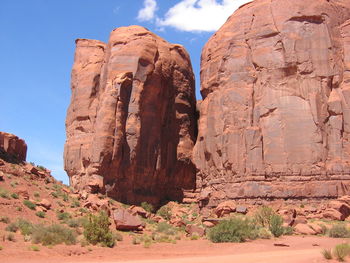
(275, 116)
(12, 148)
(131, 124)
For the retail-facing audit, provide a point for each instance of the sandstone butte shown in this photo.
(131, 123)
(274, 121)
(275, 116)
(12, 148)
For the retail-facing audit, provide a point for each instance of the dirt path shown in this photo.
(298, 249)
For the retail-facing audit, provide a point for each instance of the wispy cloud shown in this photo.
(147, 13)
(199, 15)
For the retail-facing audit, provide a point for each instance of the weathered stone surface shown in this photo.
(194, 229)
(131, 123)
(125, 221)
(12, 148)
(225, 208)
(304, 229)
(275, 116)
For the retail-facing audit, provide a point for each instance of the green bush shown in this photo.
(264, 233)
(339, 231)
(117, 236)
(164, 212)
(4, 193)
(36, 194)
(75, 204)
(341, 251)
(266, 217)
(74, 223)
(1, 248)
(53, 235)
(276, 227)
(63, 216)
(164, 227)
(327, 254)
(263, 216)
(25, 226)
(233, 230)
(14, 196)
(34, 248)
(147, 206)
(40, 214)
(96, 230)
(29, 204)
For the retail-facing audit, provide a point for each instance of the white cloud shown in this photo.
(147, 13)
(200, 15)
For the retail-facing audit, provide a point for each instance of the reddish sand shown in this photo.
(300, 250)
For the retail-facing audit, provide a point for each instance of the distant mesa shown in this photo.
(12, 148)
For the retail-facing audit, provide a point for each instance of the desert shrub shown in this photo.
(74, 223)
(63, 216)
(164, 212)
(40, 214)
(36, 194)
(5, 219)
(136, 240)
(40, 167)
(75, 203)
(54, 194)
(29, 204)
(11, 237)
(147, 206)
(1, 248)
(194, 236)
(25, 226)
(4, 193)
(53, 235)
(164, 227)
(13, 227)
(117, 236)
(276, 227)
(288, 231)
(34, 248)
(327, 254)
(339, 231)
(263, 216)
(341, 251)
(264, 233)
(14, 184)
(14, 196)
(65, 197)
(18, 208)
(233, 230)
(96, 230)
(266, 217)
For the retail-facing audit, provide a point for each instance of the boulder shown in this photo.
(333, 214)
(125, 221)
(341, 207)
(271, 71)
(225, 208)
(45, 203)
(316, 227)
(242, 209)
(131, 123)
(304, 229)
(136, 210)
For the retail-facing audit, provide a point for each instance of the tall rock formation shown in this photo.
(12, 148)
(275, 116)
(131, 124)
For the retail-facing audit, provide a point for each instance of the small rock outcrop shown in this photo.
(275, 116)
(131, 124)
(12, 148)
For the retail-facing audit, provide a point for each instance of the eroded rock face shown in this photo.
(12, 148)
(131, 123)
(275, 116)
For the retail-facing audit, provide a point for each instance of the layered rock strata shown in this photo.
(12, 148)
(131, 124)
(275, 116)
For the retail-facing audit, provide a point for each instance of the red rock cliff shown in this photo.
(12, 148)
(275, 116)
(131, 123)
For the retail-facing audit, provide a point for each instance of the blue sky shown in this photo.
(37, 51)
